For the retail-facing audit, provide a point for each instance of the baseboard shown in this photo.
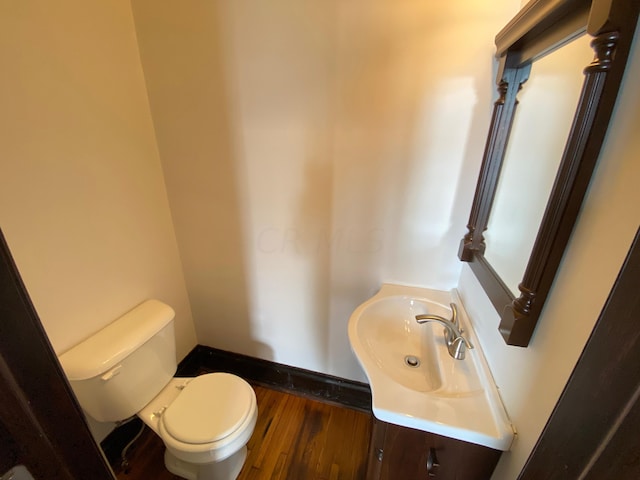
(326, 388)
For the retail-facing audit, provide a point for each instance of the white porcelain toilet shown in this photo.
(127, 368)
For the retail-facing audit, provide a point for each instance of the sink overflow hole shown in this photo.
(412, 361)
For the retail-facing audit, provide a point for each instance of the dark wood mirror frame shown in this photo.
(539, 28)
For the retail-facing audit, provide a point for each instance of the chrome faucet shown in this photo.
(456, 343)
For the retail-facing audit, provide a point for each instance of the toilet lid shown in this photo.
(210, 408)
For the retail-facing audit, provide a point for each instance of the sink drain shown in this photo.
(411, 361)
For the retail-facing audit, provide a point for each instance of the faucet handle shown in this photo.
(454, 316)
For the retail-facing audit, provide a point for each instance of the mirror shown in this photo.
(517, 278)
(547, 103)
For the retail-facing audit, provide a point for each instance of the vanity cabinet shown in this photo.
(397, 452)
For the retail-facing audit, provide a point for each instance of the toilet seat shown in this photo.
(211, 418)
(210, 408)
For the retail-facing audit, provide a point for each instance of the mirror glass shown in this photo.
(531, 160)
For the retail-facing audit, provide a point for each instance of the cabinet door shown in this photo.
(405, 454)
(408, 454)
(463, 461)
(376, 450)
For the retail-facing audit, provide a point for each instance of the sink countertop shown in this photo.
(453, 398)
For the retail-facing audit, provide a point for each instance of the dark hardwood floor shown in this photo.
(295, 438)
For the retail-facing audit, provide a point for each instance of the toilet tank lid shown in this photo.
(104, 349)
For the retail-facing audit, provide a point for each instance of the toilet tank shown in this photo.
(121, 368)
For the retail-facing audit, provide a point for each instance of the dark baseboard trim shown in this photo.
(319, 386)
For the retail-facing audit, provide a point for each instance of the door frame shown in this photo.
(41, 423)
(593, 428)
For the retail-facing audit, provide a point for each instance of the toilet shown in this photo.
(127, 369)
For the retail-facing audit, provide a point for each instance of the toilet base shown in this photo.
(227, 469)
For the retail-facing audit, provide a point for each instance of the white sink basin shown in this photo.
(414, 381)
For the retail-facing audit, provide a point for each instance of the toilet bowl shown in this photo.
(127, 369)
(205, 423)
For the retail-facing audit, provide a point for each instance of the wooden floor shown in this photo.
(295, 439)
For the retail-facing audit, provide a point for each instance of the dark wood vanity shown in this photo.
(397, 452)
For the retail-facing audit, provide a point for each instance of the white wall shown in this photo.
(82, 198)
(313, 150)
(531, 380)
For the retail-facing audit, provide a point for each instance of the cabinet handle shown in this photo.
(432, 462)
(379, 454)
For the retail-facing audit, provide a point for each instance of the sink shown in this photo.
(396, 346)
(415, 356)
(414, 381)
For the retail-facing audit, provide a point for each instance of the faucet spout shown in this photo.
(450, 329)
(456, 343)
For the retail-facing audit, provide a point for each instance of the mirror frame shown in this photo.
(539, 28)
